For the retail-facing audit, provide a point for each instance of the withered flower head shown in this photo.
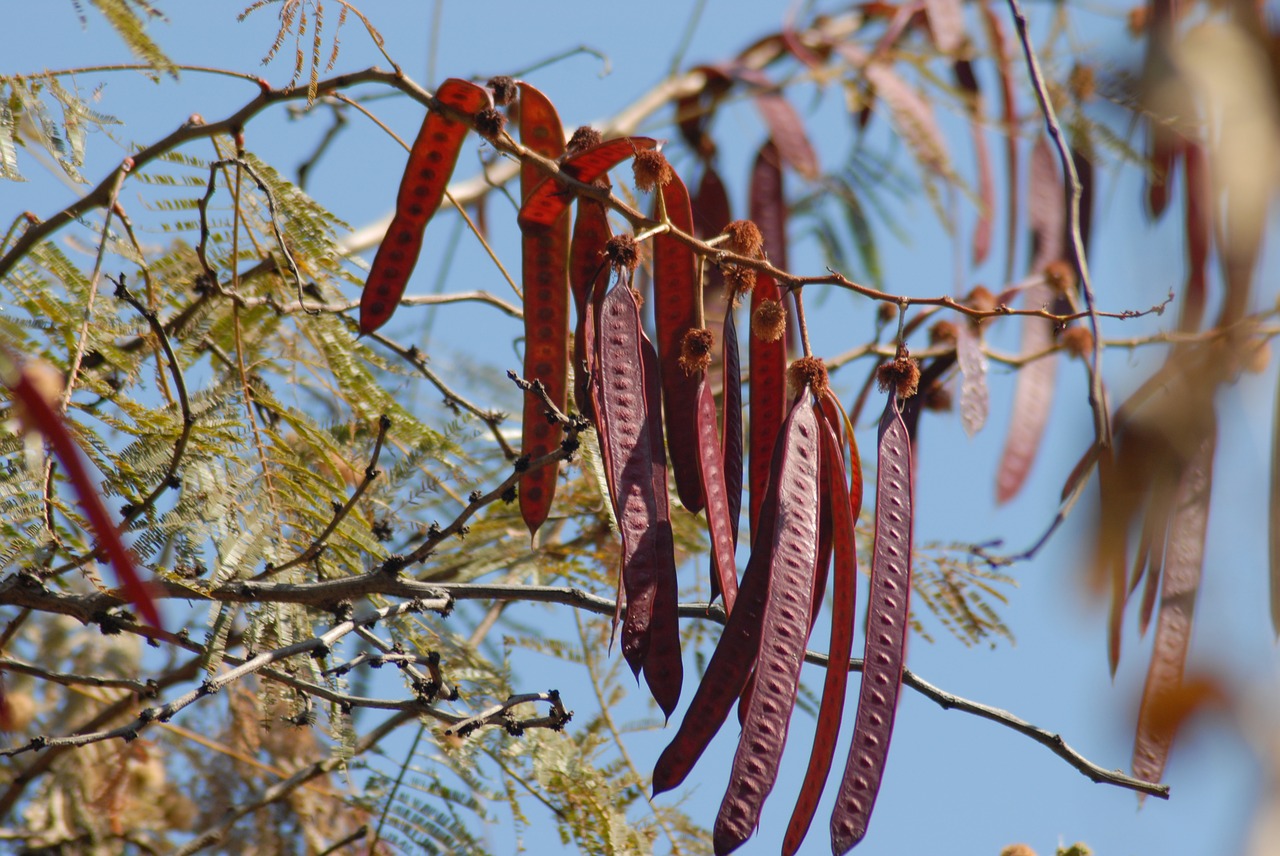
(1083, 83)
(651, 170)
(901, 374)
(887, 313)
(938, 398)
(489, 123)
(981, 299)
(769, 321)
(744, 238)
(1077, 340)
(695, 350)
(584, 137)
(810, 372)
(943, 333)
(504, 89)
(738, 281)
(623, 252)
(1060, 276)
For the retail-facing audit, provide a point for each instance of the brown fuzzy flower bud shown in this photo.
(695, 350)
(489, 123)
(584, 137)
(769, 321)
(937, 398)
(651, 170)
(738, 281)
(981, 299)
(808, 372)
(901, 374)
(1083, 83)
(1077, 341)
(504, 89)
(744, 238)
(1060, 276)
(943, 333)
(887, 313)
(623, 252)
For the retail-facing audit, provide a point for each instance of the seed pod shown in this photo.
(732, 660)
(792, 557)
(431, 162)
(545, 254)
(550, 199)
(675, 309)
(663, 665)
(732, 421)
(768, 359)
(719, 527)
(844, 511)
(886, 634)
(588, 279)
(625, 437)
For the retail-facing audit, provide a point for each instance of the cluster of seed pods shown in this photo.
(654, 407)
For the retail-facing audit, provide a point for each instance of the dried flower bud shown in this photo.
(1137, 20)
(808, 372)
(901, 374)
(744, 238)
(1017, 850)
(17, 709)
(504, 89)
(1257, 356)
(1077, 341)
(981, 299)
(943, 333)
(1060, 276)
(695, 350)
(937, 398)
(651, 170)
(769, 321)
(489, 123)
(584, 137)
(623, 252)
(887, 313)
(1082, 82)
(739, 281)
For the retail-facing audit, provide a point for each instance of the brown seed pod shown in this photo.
(584, 137)
(901, 374)
(623, 252)
(504, 89)
(489, 123)
(739, 281)
(744, 238)
(695, 350)
(808, 372)
(651, 170)
(1060, 276)
(1077, 341)
(769, 321)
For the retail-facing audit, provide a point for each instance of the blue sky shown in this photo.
(954, 784)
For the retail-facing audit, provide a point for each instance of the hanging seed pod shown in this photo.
(550, 199)
(431, 162)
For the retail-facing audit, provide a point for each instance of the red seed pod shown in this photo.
(628, 446)
(550, 200)
(718, 508)
(732, 422)
(545, 254)
(675, 301)
(768, 383)
(588, 279)
(844, 508)
(431, 162)
(731, 662)
(792, 557)
(886, 634)
(663, 666)
(37, 414)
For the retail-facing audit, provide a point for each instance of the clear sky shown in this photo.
(955, 784)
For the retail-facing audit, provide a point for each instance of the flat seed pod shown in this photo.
(545, 256)
(431, 161)
(886, 635)
(792, 559)
(718, 509)
(550, 199)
